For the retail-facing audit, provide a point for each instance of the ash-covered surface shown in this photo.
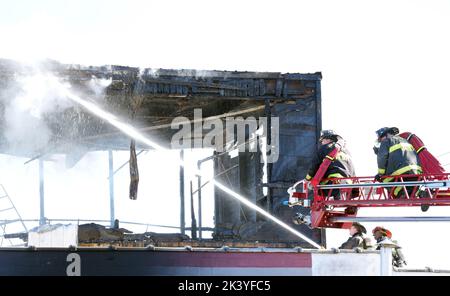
(97, 235)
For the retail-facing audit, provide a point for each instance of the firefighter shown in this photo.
(340, 167)
(380, 234)
(396, 156)
(357, 238)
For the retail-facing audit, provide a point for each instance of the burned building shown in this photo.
(149, 100)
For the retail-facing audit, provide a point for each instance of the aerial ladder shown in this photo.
(358, 192)
(334, 202)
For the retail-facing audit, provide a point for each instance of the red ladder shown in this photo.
(357, 192)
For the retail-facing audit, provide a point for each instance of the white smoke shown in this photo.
(38, 95)
(98, 86)
(25, 106)
(29, 100)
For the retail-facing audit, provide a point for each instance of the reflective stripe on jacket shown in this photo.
(341, 166)
(396, 157)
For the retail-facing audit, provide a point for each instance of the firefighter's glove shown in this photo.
(378, 177)
(290, 191)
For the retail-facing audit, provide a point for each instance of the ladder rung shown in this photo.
(3, 223)
(4, 210)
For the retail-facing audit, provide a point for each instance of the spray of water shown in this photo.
(133, 133)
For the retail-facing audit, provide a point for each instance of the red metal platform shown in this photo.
(349, 194)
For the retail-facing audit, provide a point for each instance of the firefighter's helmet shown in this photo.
(387, 130)
(360, 227)
(383, 231)
(329, 134)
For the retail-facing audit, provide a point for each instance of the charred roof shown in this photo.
(147, 98)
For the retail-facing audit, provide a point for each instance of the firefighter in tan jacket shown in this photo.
(357, 238)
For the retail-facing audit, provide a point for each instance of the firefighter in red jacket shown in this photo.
(340, 167)
(396, 156)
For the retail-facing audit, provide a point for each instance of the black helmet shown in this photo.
(329, 134)
(387, 130)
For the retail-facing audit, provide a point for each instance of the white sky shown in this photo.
(383, 62)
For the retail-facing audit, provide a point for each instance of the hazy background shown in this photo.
(384, 63)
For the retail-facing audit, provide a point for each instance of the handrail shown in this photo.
(105, 221)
